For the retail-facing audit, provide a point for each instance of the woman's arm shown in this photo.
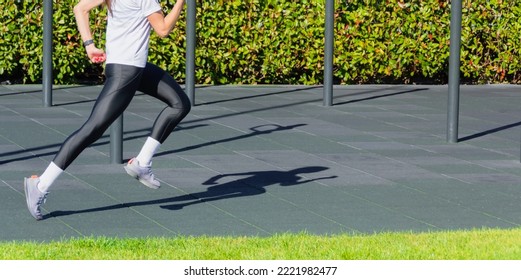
(163, 25)
(81, 12)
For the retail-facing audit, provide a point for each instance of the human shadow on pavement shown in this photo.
(248, 184)
(251, 183)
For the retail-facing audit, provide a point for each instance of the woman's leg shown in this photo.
(159, 84)
(121, 84)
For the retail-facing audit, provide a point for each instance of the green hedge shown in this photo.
(281, 41)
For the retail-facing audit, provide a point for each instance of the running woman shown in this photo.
(129, 25)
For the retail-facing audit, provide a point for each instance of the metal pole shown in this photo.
(116, 141)
(47, 53)
(328, 53)
(454, 72)
(190, 50)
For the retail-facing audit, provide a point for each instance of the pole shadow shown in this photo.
(311, 100)
(249, 184)
(258, 95)
(490, 131)
(87, 100)
(20, 155)
(380, 96)
(41, 90)
(256, 131)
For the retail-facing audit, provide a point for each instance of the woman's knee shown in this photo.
(158, 83)
(184, 105)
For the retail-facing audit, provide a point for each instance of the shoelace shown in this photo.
(148, 172)
(42, 200)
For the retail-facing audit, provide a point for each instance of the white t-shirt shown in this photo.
(128, 31)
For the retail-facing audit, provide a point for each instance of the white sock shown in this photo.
(49, 176)
(147, 151)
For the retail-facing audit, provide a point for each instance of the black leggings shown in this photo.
(122, 81)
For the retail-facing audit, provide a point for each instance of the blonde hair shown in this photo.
(108, 4)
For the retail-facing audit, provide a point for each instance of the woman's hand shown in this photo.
(81, 13)
(95, 55)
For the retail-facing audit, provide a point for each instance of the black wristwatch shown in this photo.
(88, 42)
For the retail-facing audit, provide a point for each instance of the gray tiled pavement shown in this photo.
(260, 160)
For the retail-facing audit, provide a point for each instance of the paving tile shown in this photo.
(262, 160)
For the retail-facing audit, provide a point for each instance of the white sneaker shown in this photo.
(142, 173)
(34, 197)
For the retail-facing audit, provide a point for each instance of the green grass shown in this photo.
(489, 244)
